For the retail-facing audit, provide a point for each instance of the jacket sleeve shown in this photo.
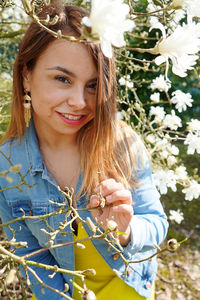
(149, 224)
(45, 257)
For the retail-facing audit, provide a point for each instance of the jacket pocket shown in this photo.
(25, 207)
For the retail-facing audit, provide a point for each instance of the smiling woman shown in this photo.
(64, 132)
(70, 78)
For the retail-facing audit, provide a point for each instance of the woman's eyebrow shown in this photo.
(64, 70)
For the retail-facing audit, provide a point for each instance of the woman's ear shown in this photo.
(26, 78)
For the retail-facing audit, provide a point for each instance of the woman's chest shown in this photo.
(64, 169)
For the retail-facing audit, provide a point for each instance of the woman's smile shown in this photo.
(72, 119)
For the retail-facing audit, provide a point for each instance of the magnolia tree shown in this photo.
(172, 32)
(156, 45)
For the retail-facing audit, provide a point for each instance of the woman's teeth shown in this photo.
(70, 117)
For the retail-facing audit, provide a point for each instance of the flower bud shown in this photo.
(15, 168)
(89, 295)
(81, 246)
(91, 225)
(112, 225)
(11, 277)
(177, 4)
(66, 289)
(172, 245)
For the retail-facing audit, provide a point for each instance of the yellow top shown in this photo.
(105, 284)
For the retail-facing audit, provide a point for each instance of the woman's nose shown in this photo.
(76, 99)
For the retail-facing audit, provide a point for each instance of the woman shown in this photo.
(73, 139)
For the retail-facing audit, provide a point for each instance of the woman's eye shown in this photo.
(62, 79)
(93, 86)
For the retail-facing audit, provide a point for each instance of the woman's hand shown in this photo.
(118, 207)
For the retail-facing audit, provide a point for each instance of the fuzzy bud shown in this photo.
(81, 246)
(112, 225)
(91, 225)
(66, 289)
(11, 277)
(89, 295)
(172, 245)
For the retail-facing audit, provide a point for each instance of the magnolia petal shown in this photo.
(108, 19)
(178, 71)
(106, 48)
(87, 22)
(160, 59)
(160, 26)
(128, 25)
(118, 40)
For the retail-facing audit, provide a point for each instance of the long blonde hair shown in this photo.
(108, 147)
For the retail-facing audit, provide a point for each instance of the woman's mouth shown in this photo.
(72, 119)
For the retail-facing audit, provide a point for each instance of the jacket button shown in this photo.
(148, 285)
(115, 256)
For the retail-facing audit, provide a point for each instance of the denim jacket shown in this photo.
(31, 191)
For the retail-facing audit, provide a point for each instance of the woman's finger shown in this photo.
(123, 209)
(120, 195)
(108, 186)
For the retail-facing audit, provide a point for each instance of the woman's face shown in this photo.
(63, 88)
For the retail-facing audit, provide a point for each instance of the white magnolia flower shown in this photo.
(160, 84)
(193, 191)
(193, 125)
(172, 121)
(176, 215)
(176, 17)
(126, 81)
(151, 138)
(122, 81)
(129, 84)
(155, 97)
(153, 20)
(192, 6)
(162, 144)
(171, 160)
(181, 173)
(164, 179)
(173, 149)
(108, 22)
(164, 154)
(181, 47)
(158, 112)
(193, 142)
(182, 100)
(152, 6)
(168, 150)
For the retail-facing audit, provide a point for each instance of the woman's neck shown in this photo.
(53, 140)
